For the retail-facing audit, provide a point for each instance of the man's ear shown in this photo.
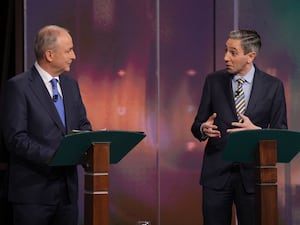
(251, 57)
(48, 55)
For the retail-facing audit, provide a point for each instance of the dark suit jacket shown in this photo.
(266, 109)
(33, 131)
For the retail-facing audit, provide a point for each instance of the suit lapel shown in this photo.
(228, 92)
(39, 89)
(67, 93)
(256, 91)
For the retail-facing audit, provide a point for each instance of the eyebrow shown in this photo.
(231, 48)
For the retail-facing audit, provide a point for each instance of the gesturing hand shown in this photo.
(208, 127)
(245, 125)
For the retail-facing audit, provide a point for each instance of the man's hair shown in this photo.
(250, 40)
(46, 39)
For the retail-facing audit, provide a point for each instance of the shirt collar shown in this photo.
(248, 77)
(46, 77)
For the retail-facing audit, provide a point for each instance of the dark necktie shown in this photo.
(239, 98)
(58, 101)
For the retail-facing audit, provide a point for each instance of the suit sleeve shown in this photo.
(15, 116)
(278, 119)
(84, 123)
(204, 111)
(76, 114)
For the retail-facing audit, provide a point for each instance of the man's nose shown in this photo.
(226, 57)
(73, 55)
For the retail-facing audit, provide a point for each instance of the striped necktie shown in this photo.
(58, 101)
(239, 98)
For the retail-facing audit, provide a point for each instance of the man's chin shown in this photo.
(230, 71)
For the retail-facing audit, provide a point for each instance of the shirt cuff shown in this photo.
(203, 135)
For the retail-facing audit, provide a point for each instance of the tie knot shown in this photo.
(54, 82)
(240, 81)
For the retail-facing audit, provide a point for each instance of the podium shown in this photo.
(265, 148)
(96, 150)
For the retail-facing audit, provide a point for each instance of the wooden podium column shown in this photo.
(96, 195)
(266, 187)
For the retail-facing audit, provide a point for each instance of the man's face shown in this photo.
(63, 54)
(236, 61)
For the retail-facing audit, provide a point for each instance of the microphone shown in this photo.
(55, 97)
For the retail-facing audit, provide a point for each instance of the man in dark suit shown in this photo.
(33, 130)
(261, 104)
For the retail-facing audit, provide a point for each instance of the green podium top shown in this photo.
(73, 146)
(241, 146)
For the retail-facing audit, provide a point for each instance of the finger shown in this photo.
(212, 127)
(244, 117)
(234, 130)
(214, 133)
(212, 117)
(229, 131)
(237, 124)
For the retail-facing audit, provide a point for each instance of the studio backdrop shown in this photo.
(141, 65)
